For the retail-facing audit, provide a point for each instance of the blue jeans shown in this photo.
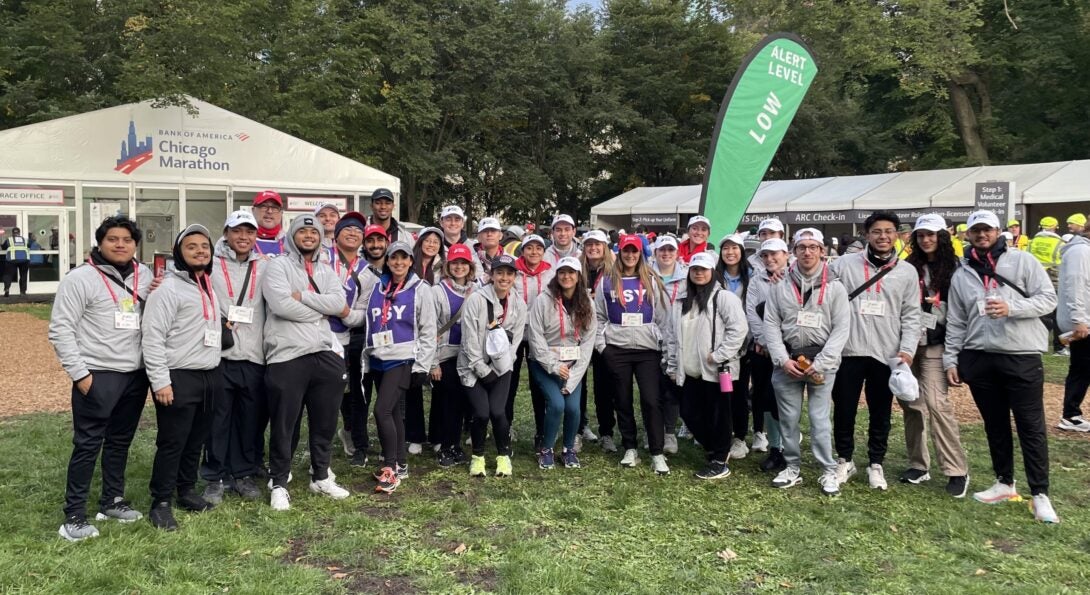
(557, 404)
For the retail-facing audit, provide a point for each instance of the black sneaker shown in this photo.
(460, 455)
(958, 486)
(915, 476)
(247, 488)
(359, 458)
(714, 470)
(774, 462)
(446, 458)
(162, 517)
(193, 502)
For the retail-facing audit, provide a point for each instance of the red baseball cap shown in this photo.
(630, 240)
(266, 196)
(459, 252)
(373, 229)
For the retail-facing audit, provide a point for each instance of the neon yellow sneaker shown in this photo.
(476, 466)
(503, 466)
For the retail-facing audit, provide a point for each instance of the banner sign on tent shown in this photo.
(756, 218)
(995, 197)
(757, 109)
(665, 220)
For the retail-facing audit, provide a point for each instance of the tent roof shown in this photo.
(772, 197)
(838, 194)
(1070, 183)
(622, 204)
(213, 147)
(912, 190)
(669, 201)
(961, 193)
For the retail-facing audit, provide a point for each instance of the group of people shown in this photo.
(246, 332)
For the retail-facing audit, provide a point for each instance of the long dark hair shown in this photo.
(427, 273)
(942, 270)
(743, 269)
(582, 312)
(697, 294)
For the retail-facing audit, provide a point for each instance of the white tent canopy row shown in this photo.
(849, 199)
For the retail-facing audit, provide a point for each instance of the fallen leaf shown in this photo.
(332, 568)
(340, 575)
(893, 528)
(727, 555)
(246, 553)
(787, 585)
(461, 549)
(980, 572)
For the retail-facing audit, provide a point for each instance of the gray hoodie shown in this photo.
(81, 327)
(249, 337)
(418, 342)
(731, 331)
(544, 334)
(781, 319)
(442, 300)
(473, 362)
(529, 287)
(898, 330)
(650, 335)
(759, 287)
(297, 328)
(1021, 332)
(1073, 304)
(175, 320)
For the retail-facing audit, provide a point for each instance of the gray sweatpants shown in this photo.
(789, 400)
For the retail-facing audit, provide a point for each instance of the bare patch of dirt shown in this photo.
(1006, 546)
(354, 579)
(382, 513)
(483, 579)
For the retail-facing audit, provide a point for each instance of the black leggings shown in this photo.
(449, 397)
(488, 402)
(391, 386)
(623, 364)
(739, 403)
(707, 413)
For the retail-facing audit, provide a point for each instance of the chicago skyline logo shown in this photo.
(133, 153)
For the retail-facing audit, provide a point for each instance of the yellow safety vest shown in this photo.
(1045, 247)
(17, 249)
(959, 248)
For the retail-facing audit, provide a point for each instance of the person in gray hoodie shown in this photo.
(884, 295)
(182, 345)
(806, 325)
(95, 331)
(994, 342)
(773, 257)
(234, 452)
(303, 366)
(532, 276)
(1073, 316)
(673, 272)
(458, 281)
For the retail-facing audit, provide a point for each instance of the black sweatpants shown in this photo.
(449, 397)
(390, 388)
(763, 395)
(604, 395)
(670, 398)
(1002, 385)
(183, 430)
(854, 372)
(487, 402)
(415, 431)
(357, 396)
(1078, 378)
(230, 451)
(707, 414)
(739, 405)
(315, 380)
(537, 398)
(622, 365)
(103, 421)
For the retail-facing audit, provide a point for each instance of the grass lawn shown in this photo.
(601, 528)
(39, 311)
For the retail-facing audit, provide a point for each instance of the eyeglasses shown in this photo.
(883, 232)
(809, 248)
(269, 208)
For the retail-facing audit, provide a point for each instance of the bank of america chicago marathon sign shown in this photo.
(178, 149)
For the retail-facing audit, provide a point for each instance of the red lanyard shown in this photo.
(639, 296)
(821, 294)
(866, 275)
(560, 315)
(984, 278)
(388, 301)
(227, 278)
(673, 293)
(310, 275)
(339, 260)
(923, 295)
(503, 317)
(211, 305)
(525, 290)
(106, 282)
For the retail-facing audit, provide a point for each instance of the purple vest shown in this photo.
(348, 284)
(630, 286)
(455, 302)
(269, 247)
(401, 315)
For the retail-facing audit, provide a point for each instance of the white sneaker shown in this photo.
(310, 471)
(829, 484)
(877, 477)
(589, 435)
(684, 431)
(77, 529)
(760, 442)
(1074, 424)
(658, 465)
(1042, 509)
(291, 478)
(415, 448)
(630, 459)
(279, 500)
(999, 492)
(469, 441)
(608, 445)
(346, 442)
(844, 471)
(329, 487)
(669, 444)
(738, 449)
(436, 448)
(788, 478)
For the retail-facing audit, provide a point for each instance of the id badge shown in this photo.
(212, 338)
(243, 314)
(632, 319)
(873, 308)
(980, 305)
(808, 319)
(382, 339)
(567, 354)
(127, 305)
(929, 320)
(127, 320)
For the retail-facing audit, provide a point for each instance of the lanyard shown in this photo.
(923, 295)
(313, 287)
(994, 284)
(639, 296)
(388, 301)
(821, 294)
(342, 261)
(227, 278)
(597, 276)
(560, 315)
(106, 282)
(673, 293)
(866, 275)
(211, 305)
(525, 290)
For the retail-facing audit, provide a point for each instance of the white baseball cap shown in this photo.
(452, 210)
(930, 222)
(326, 205)
(810, 233)
(983, 218)
(902, 383)
(533, 238)
(734, 238)
(772, 224)
(562, 218)
(596, 235)
(569, 262)
(240, 218)
(702, 260)
(698, 219)
(489, 223)
(773, 245)
(665, 240)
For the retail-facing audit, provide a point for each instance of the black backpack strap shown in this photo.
(246, 282)
(871, 281)
(1008, 283)
(131, 291)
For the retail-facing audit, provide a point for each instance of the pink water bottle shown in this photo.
(726, 385)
